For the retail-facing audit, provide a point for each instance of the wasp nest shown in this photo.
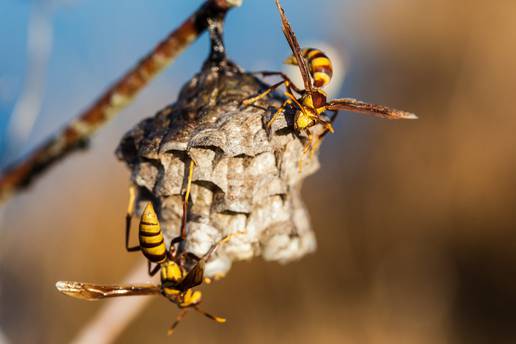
(246, 176)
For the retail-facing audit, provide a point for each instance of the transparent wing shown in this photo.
(91, 292)
(353, 105)
(193, 278)
(294, 45)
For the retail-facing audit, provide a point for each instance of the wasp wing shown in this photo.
(294, 46)
(353, 105)
(193, 278)
(91, 292)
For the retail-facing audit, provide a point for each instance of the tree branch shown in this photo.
(77, 133)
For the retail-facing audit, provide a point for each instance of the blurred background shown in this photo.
(415, 220)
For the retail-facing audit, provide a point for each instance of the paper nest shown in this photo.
(246, 177)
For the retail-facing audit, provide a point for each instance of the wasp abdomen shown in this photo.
(319, 64)
(152, 243)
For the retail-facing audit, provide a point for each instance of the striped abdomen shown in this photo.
(151, 239)
(319, 65)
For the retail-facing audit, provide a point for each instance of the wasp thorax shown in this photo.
(319, 98)
(171, 273)
(316, 103)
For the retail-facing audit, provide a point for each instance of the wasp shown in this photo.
(150, 236)
(316, 70)
(176, 281)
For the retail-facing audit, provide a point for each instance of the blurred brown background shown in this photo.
(415, 220)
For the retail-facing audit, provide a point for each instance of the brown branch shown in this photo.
(76, 134)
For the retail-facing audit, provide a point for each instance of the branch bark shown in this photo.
(75, 135)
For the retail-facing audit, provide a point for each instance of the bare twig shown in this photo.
(115, 314)
(76, 134)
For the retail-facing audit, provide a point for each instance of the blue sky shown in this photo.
(95, 42)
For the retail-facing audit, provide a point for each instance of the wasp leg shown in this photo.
(277, 113)
(308, 147)
(224, 240)
(315, 146)
(289, 87)
(328, 129)
(332, 119)
(186, 198)
(252, 100)
(218, 276)
(172, 252)
(266, 73)
(179, 317)
(152, 271)
(290, 95)
(291, 98)
(334, 116)
(128, 217)
(133, 249)
(219, 320)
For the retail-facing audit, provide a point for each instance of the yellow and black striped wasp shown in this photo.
(316, 70)
(152, 243)
(177, 281)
